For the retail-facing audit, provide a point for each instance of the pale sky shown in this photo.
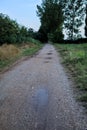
(23, 11)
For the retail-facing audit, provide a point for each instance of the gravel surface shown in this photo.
(37, 95)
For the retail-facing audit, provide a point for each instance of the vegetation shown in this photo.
(73, 18)
(86, 22)
(11, 53)
(16, 41)
(8, 51)
(59, 15)
(51, 17)
(12, 32)
(56, 16)
(75, 57)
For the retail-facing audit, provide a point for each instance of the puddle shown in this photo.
(41, 97)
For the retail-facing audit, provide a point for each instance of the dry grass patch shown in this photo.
(11, 53)
(8, 51)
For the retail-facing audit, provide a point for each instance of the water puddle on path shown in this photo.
(40, 102)
(40, 98)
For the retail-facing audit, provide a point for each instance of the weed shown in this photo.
(10, 53)
(83, 97)
(75, 57)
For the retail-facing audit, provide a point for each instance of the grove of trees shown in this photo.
(12, 32)
(59, 15)
(51, 18)
(73, 17)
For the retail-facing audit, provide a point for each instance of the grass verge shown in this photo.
(11, 53)
(74, 56)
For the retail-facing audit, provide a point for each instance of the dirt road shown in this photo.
(37, 95)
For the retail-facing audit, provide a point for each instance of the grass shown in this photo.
(29, 51)
(8, 51)
(11, 53)
(83, 97)
(75, 58)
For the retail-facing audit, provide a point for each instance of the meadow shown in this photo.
(74, 57)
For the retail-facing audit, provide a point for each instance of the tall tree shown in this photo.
(74, 15)
(8, 29)
(51, 16)
(86, 22)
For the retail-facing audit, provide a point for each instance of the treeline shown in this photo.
(58, 18)
(12, 32)
(77, 41)
(62, 17)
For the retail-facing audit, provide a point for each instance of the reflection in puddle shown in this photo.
(41, 98)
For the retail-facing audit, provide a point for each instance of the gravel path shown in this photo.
(37, 95)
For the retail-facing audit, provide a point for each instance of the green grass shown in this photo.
(31, 51)
(75, 58)
(25, 51)
(83, 97)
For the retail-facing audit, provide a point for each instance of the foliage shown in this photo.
(73, 11)
(56, 36)
(31, 32)
(83, 98)
(86, 22)
(42, 35)
(8, 29)
(56, 15)
(74, 14)
(75, 58)
(51, 17)
(12, 32)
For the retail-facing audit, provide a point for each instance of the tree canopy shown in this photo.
(86, 22)
(12, 32)
(73, 11)
(56, 15)
(51, 17)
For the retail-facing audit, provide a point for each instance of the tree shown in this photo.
(73, 17)
(51, 16)
(30, 32)
(12, 32)
(86, 22)
(8, 29)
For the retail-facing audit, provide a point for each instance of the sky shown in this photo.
(23, 11)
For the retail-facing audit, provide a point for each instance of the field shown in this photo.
(74, 56)
(13, 52)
